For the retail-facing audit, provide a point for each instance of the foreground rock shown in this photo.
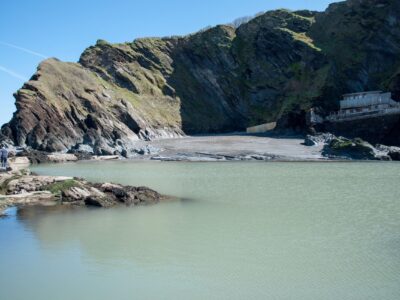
(392, 152)
(19, 188)
(35, 198)
(107, 194)
(343, 148)
(318, 139)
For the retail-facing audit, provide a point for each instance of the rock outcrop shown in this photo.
(392, 152)
(354, 149)
(344, 148)
(350, 149)
(376, 130)
(273, 68)
(19, 188)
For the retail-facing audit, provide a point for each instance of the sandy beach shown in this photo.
(236, 145)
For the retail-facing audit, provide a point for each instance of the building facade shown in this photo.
(365, 105)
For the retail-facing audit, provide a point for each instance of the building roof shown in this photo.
(362, 93)
(366, 99)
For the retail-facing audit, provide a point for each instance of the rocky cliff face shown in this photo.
(274, 67)
(361, 40)
(67, 106)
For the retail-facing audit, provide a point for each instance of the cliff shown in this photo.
(273, 68)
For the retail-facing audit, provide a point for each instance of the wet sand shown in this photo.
(284, 148)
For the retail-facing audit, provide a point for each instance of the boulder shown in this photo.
(108, 187)
(310, 141)
(318, 139)
(106, 157)
(98, 201)
(33, 198)
(147, 196)
(123, 194)
(34, 156)
(146, 150)
(392, 152)
(109, 194)
(29, 183)
(75, 194)
(130, 195)
(341, 147)
(61, 157)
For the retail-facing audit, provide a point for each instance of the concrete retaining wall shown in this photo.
(262, 128)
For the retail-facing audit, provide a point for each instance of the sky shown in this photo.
(31, 31)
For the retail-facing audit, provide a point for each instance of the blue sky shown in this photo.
(64, 28)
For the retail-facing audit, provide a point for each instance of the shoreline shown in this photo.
(20, 187)
(235, 147)
(226, 147)
(204, 148)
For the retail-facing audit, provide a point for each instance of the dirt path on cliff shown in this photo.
(234, 145)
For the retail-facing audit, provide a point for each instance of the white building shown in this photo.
(364, 105)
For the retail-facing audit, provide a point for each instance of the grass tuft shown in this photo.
(61, 186)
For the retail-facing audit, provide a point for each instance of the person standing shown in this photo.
(4, 157)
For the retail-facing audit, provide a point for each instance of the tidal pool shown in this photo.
(239, 231)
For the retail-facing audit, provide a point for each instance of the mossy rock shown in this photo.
(354, 149)
(59, 187)
(341, 144)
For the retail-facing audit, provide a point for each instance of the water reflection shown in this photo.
(277, 231)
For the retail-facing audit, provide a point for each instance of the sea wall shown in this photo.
(376, 130)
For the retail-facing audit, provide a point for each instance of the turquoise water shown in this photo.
(240, 231)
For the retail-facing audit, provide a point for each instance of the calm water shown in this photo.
(241, 231)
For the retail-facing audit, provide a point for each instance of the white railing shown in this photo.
(340, 116)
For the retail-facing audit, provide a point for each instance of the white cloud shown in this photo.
(13, 74)
(23, 49)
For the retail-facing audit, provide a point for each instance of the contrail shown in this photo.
(13, 74)
(23, 49)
